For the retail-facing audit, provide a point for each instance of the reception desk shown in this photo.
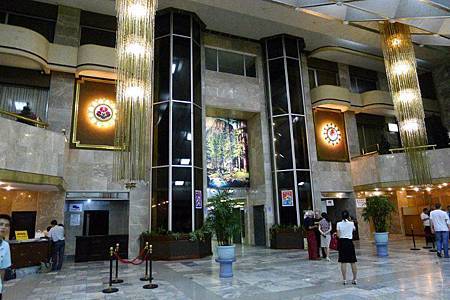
(96, 247)
(29, 253)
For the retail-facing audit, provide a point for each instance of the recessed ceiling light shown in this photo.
(403, 189)
(389, 189)
(345, 22)
(421, 45)
(436, 35)
(444, 184)
(8, 188)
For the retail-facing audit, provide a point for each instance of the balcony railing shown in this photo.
(10, 115)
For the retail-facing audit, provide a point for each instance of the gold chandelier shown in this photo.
(400, 63)
(135, 27)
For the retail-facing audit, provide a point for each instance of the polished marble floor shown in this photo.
(259, 274)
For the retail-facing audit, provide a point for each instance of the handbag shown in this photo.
(334, 243)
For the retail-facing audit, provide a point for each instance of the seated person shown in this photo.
(27, 113)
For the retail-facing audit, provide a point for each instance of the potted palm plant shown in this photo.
(225, 224)
(378, 210)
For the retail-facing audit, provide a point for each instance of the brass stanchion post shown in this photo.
(110, 289)
(414, 239)
(116, 279)
(145, 278)
(150, 285)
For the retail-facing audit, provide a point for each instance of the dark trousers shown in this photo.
(57, 255)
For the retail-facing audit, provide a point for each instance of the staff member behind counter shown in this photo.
(5, 253)
(56, 235)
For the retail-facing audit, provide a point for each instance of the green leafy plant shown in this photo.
(284, 228)
(221, 219)
(378, 210)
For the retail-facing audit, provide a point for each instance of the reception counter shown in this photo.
(29, 253)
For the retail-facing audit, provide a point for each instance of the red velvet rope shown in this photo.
(136, 261)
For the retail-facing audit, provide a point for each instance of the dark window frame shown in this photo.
(245, 57)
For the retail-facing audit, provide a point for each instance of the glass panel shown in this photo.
(364, 85)
(300, 142)
(161, 69)
(198, 140)
(291, 47)
(286, 198)
(250, 66)
(2, 17)
(211, 59)
(304, 191)
(196, 30)
(160, 198)
(198, 194)
(326, 77)
(160, 155)
(282, 137)
(181, 69)
(44, 27)
(295, 86)
(181, 134)
(278, 87)
(162, 25)
(274, 48)
(181, 199)
(97, 37)
(230, 62)
(197, 74)
(182, 24)
(312, 79)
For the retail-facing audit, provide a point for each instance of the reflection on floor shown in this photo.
(259, 274)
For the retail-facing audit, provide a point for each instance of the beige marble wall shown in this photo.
(243, 95)
(60, 102)
(376, 169)
(139, 216)
(50, 206)
(30, 149)
(67, 29)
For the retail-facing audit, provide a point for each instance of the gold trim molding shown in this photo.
(32, 178)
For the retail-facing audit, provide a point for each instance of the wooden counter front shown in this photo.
(96, 247)
(29, 253)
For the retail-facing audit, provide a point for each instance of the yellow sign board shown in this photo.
(21, 235)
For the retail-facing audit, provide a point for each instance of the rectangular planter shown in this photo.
(164, 249)
(286, 240)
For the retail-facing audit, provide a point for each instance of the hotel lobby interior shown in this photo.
(132, 123)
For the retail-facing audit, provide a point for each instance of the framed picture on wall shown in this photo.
(287, 198)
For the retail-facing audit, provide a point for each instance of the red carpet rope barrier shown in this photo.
(136, 261)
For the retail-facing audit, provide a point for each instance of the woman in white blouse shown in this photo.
(347, 253)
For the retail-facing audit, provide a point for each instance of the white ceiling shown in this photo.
(256, 19)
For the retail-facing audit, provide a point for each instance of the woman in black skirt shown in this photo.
(347, 253)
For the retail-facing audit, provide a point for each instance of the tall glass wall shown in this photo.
(291, 167)
(177, 181)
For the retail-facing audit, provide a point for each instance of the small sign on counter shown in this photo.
(21, 235)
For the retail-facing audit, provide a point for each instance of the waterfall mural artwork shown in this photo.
(227, 153)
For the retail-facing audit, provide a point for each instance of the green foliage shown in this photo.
(378, 210)
(284, 228)
(221, 219)
(160, 233)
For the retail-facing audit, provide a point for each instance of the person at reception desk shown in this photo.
(5, 253)
(56, 235)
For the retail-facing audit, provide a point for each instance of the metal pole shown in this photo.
(110, 289)
(150, 285)
(145, 278)
(116, 279)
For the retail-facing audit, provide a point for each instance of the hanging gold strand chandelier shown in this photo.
(400, 63)
(135, 27)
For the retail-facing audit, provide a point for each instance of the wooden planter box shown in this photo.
(165, 249)
(286, 240)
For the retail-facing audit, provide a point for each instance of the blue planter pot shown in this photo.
(382, 241)
(226, 256)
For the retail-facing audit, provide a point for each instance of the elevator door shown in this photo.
(259, 225)
(96, 222)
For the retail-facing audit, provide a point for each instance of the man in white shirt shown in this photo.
(56, 235)
(440, 225)
(425, 217)
(5, 253)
